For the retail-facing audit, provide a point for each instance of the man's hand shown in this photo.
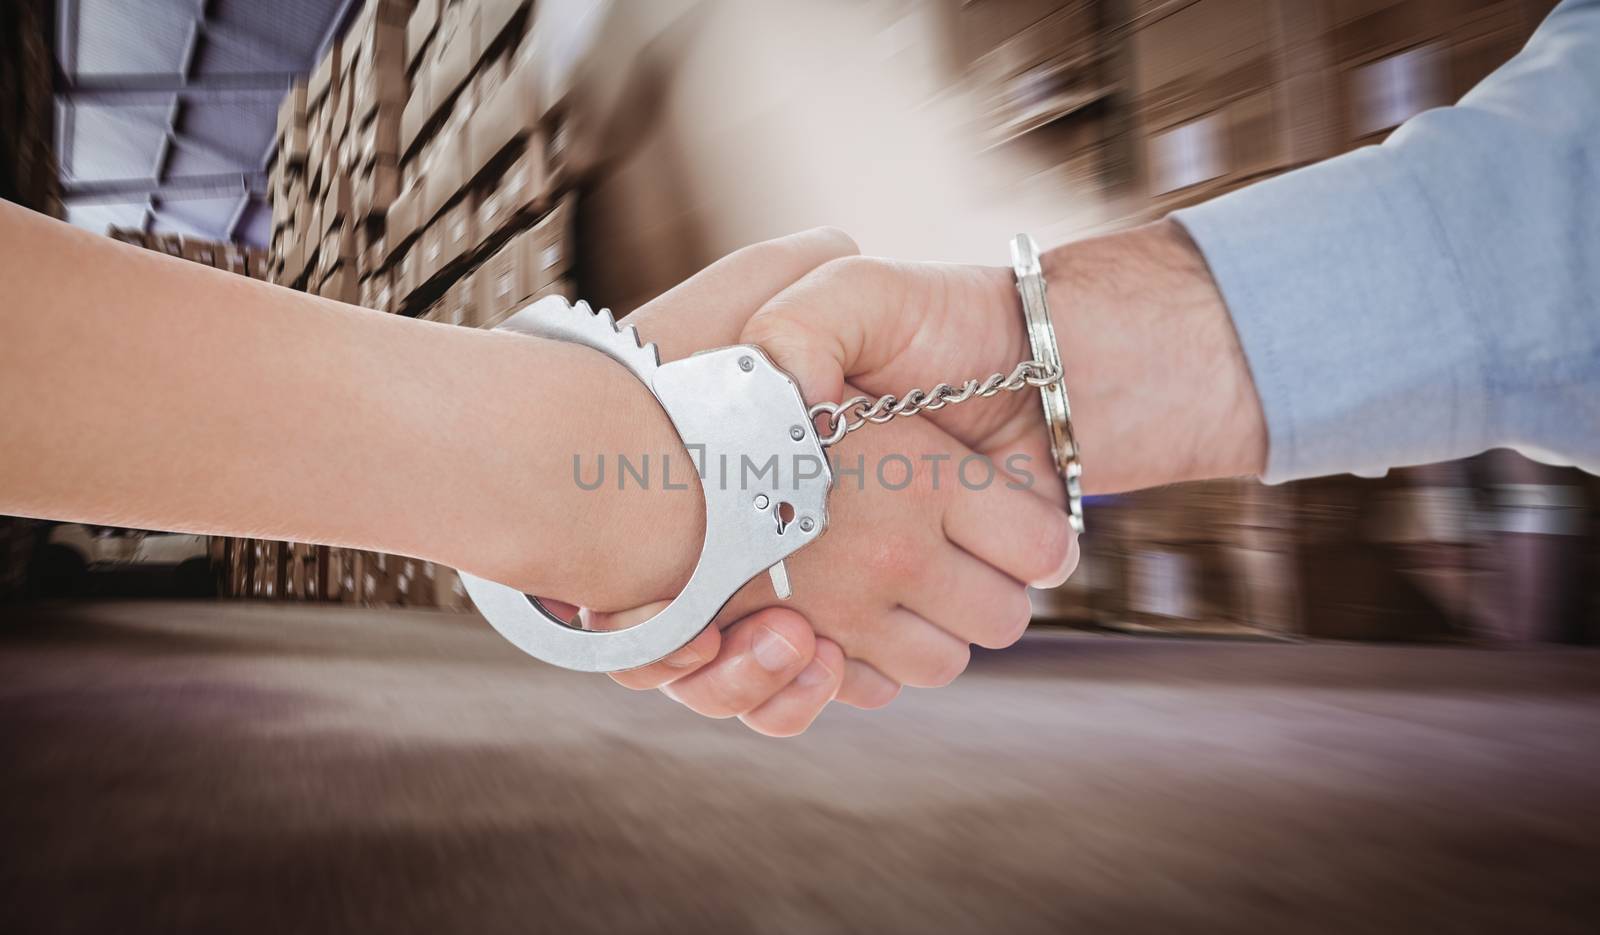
(1159, 387)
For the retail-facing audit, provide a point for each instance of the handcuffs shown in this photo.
(735, 403)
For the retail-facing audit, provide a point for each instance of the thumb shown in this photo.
(812, 357)
(844, 319)
(709, 308)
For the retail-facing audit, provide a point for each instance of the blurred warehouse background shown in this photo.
(452, 160)
(328, 741)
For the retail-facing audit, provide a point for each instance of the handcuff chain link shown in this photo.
(845, 417)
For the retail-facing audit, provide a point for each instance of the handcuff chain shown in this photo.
(845, 417)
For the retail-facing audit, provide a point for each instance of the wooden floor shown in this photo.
(208, 767)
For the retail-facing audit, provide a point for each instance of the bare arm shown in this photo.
(142, 390)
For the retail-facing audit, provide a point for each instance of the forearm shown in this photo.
(144, 391)
(1159, 387)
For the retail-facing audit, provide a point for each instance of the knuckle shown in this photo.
(894, 556)
(848, 266)
(839, 239)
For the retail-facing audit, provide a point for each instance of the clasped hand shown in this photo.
(938, 523)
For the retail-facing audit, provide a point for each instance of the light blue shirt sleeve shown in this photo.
(1439, 294)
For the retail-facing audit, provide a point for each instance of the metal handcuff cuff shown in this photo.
(735, 403)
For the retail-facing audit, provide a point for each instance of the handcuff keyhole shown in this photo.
(785, 514)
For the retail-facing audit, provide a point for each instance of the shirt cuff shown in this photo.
(1352, 315)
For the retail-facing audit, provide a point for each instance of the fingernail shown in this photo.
(773, 652)
(685, 658)
(815, 674)
(1056, 580)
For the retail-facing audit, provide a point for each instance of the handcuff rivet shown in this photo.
(762, 502)
(807, 524)
(797, 432)
(746, 364)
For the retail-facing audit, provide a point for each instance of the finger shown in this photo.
(865, 687)
(700, 651)
(724, 295)
(971, 600)
(795, 706)
(760, 655)
(910, 650)
(1016, 531)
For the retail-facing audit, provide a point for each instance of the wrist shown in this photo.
(1161, 392)
(567, 517)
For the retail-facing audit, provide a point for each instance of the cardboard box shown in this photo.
(292, 112)
(339, 114)
(459, 236)
(199, 251)
(548, 247)
(295, 146)
(377, 291)
(460, 304)
(406, 268)
(531, 263)
(566, 288)
(235, 260)
(495, 16)
(448, 591)
(379, 137)
(557, 149)
(330, 168)
(336, 201)
(518, 191)
(451, 236)
(372, 247)
(344, 159)
(379, 76)
(338, 249)
(375, 190)
(402, 222)
(414, 582)
(340, 285)
(1208, 101)
(418, 109)
(380, 579)
(130, 235)
(324, 78)
(170, 244)
(508, 113)
(502, 282)
(454, 53)
(315, 161)
(420, 29)
(444, 173)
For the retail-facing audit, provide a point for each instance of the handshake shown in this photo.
(939, 524)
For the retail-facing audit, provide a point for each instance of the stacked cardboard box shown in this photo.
(480, 187)
(1227, 91)
(244, 261)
